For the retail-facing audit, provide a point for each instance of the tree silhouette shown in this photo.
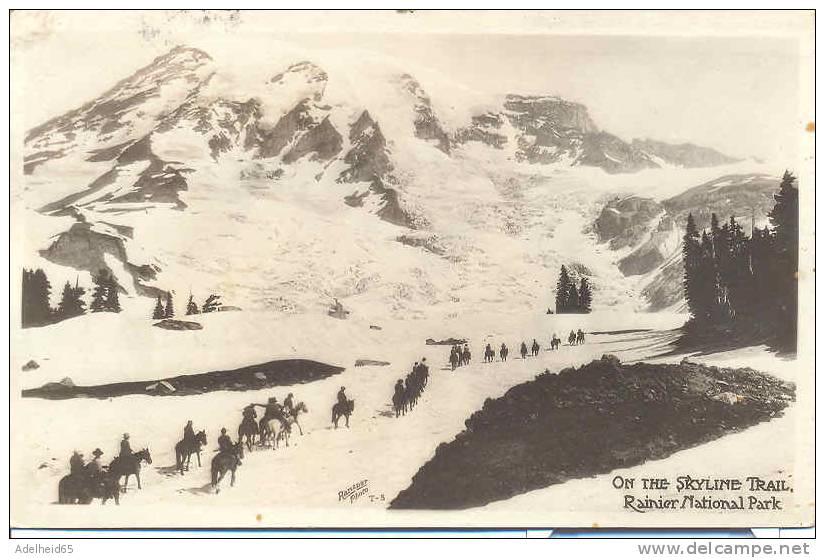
(36, 291)
(563, 291)
(71, 302)
(191, 306)
(169, 311)
(158, 312)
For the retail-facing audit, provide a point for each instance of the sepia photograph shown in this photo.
(401, 269)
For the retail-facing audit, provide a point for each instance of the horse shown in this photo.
(554, 343)
(580, 338)
(571, 339)
(465, 356)
(278, 430)
(130, 466)
(82, 489)
(342, 409)
(184, 450)
(226, 461)
(503, 353)
(523, 351)
(535, 348)
(293, 414)
(489, 354)
(248, 429)
(399, 403)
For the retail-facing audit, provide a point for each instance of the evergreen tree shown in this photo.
(105, 295)
(211, 304)
(585, 296)
(573, 302)
(100, 291)
(36, 290)
(169, 312)
(191, 306)
(113, 294)
(785, 220)
(691, 256)
(71, 302)
(158, 312)
(563, 291)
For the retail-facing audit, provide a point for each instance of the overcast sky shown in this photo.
(640, 75)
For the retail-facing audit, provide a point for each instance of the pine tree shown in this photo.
(36, 291)
(105, 295)
(113, 294)
(211, 304)
(169, 312)
(573, 302)
(191, 306)
(158, 312)
(71, 302)
(785, 220)
(691, 256)
(563, 291)
(100, 291)
(585, 296)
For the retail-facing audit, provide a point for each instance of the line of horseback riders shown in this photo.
(459, 356)
(408, 390)
(575, 338)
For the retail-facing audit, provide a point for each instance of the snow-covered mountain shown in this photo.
(307, 184)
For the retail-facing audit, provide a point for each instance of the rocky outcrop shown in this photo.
(85, 247)
(484, 128)
(624, 221)
(427, 125)
(685, 155)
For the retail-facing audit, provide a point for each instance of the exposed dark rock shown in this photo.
(85, 245)
(276, 373)
(685, 155)
(323, 141)
(484, 128)
(367, 362)
(178, 325)
(589, 421)
(625, 221)
(448, 341)
(431, 243)
(31, 365)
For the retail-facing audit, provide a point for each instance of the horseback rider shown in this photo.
(125, 448)
(342, 397)
(273, 410)
(249, 414)
(76, 465)
(93, 468)
(189, 434)
(523, 348)
(224, 442)
(289, 404)
(399, 389)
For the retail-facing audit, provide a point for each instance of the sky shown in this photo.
(732, 81)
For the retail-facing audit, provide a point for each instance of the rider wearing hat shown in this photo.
(342, 397)
(289, 404)
(93, 468)
(189, 433)
(224, 442)
(125, 448)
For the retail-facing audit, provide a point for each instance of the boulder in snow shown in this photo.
(178, 325)
(31, 365)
